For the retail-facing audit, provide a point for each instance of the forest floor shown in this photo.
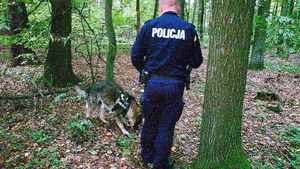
(51, 131)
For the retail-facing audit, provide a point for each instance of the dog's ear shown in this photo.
(80, 92)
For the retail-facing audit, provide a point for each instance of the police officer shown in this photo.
(164, 48)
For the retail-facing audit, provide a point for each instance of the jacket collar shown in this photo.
(170, 13)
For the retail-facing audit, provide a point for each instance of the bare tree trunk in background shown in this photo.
(221, 126)
(291, 7)
(138, 16)
(284, 8)
(257, 55)
(284, 12)
(201, 17)
(18, 20)
(188, 9)
(195, 5)
(58, 64)
(182, 5)
(112, 45)
(156, 5)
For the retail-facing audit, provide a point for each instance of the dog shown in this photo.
(107, 100)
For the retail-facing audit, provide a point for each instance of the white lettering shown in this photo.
(172, 32)
(168, 33)
(154, 32)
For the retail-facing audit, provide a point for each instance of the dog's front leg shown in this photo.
(121, 126)
(101, 114)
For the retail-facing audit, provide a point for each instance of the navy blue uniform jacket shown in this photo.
(166, 46)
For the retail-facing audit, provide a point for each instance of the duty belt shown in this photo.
(157, 76)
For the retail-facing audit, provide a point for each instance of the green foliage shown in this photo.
(39, 136)
(284, 34)
(125, 144)
(43, 158)
(292, 135)
(280, 67)
(79, 129)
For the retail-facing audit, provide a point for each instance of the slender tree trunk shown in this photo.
(194, 11)
(276, 9)
(188, 9)
(284, 7)
(284, 12)
(182, 6)
(220, 139)
(18, 20)
(257, 55)
(138, 16)
(155, 9)
(112, 45)
(201, 18)
(291, 7)
(58, 64)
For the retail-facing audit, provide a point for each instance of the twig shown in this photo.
(40, 94)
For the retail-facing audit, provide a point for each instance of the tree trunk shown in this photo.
(276, 9)
(138, 16)
(230, 36)
(182, 6)
(194, 11)
(291, 7)
(58, 64)
(18, 20)
(257, 55)
(155, 9)
(112, 45)
(188, 9)
(201, 18)
(284, 12)
(284, 8)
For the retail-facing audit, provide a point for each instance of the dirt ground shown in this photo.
(262, 127)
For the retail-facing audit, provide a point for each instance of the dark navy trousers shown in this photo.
(162, 106)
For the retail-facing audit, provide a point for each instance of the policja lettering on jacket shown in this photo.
(168, 33)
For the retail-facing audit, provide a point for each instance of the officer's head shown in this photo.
(169, 5)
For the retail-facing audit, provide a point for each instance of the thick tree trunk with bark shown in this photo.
(112, 45)
(257, 55)
(230, 36)
(18, 20)
(58, 64)
(156, 5)
(138, 16)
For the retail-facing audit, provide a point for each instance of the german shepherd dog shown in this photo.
(108, 101)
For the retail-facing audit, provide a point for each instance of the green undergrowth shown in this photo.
(282, 67)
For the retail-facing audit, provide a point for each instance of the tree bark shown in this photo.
(257, 55)
(201, 18)
(230, 36)
(138, 16)
(18, 20)
(156, 5)
(112, 45)
(58, 65)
